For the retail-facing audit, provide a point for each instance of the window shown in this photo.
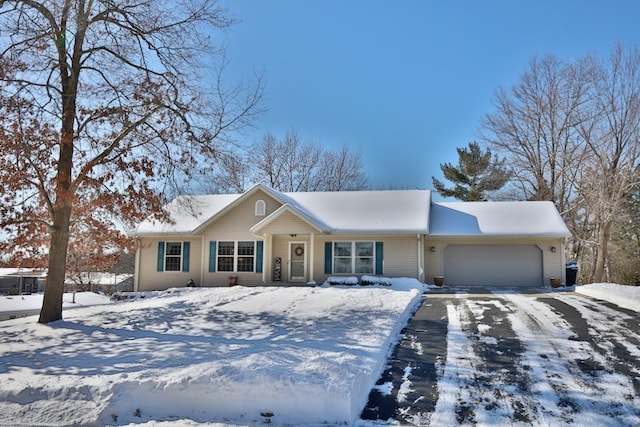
(353, 257)
(342, 257)
(236, 256)
(364, 258)
(246, 253)
(261, 208)
(226, 254)
(173, 256)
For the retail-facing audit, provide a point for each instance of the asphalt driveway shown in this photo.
(505, 358)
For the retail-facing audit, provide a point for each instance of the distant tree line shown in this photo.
(288, 164)
(569, 132)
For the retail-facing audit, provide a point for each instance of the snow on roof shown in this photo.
(401, 211)
(187, 213)
(395, 211)
(30, 272)
(514, 219)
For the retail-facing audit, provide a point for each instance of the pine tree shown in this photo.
(476, 174)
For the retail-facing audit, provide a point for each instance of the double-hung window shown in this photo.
(173, 256)
(236, 256)
(353, 257)
(226, 255)
(246, 256)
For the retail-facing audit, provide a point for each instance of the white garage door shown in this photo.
(493, 265)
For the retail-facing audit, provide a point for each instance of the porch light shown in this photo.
(553, 249)
(432, 248)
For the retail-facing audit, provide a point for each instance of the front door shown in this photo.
(297, 265)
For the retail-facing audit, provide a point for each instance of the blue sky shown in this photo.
(405, 82)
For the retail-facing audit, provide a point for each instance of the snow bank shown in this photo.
(621, 295)
(236, 355)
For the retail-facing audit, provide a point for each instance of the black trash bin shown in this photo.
(571, 271)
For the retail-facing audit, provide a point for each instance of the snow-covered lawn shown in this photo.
(12, 306)
(308, 356)
(230, 355)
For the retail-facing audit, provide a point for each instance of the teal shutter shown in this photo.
(259, 252)
(160, 266)
(328, 258)
(379, 257)
(212, 256)
(186, 246)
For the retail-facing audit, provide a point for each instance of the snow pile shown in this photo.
(234, 355)
(621, 295)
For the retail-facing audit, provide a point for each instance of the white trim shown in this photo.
(202, 259)
(311, 255)
(420, 272)
(138, 270)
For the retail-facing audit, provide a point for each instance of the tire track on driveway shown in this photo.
(501, 380)
(511, 358)
(613, 332)
(556, 357)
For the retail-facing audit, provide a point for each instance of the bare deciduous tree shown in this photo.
(342, 171)
(535, 127)
(611, 134)
(289, 164)
(103, 102)
(571, 132)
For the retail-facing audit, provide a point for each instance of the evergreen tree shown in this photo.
(476, 174)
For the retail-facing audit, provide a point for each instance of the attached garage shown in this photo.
(493, 265)
(495, 243)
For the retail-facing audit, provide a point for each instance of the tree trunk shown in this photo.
(62, 207)
(52, 303)
(603, 250)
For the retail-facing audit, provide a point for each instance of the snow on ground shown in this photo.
(12, 306)
(306, 356)
(206, 355)
(624, 296)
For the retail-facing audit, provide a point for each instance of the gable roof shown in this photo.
(370, 212)
(395, 211)
(507, 219)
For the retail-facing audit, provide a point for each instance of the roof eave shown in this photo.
(380, 232)
(165, 234)
(503, 235)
